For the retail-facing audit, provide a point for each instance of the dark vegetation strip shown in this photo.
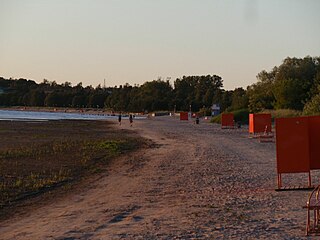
(293, 85)
(39, 156)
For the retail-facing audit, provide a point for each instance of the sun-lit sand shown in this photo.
(196, 182)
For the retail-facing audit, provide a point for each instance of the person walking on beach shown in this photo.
(130, 119)
(119, 118)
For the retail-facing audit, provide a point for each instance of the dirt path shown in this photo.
(197, 182)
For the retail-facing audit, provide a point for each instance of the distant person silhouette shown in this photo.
(130, 119)
(119, 118)
(197, 120)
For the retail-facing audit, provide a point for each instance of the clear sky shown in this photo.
(134, 41)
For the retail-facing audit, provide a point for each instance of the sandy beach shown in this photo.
(195, 182)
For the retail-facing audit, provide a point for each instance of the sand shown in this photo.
(196, 182)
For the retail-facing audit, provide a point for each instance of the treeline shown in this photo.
(197, 92)
(295, 84)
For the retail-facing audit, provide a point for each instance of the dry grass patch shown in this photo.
(38, 156)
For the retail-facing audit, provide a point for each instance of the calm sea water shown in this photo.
(43, 116)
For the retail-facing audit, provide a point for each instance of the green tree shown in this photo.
(52, 100)
(313, 106)
(36, 98)
(155, 95)
(197, 91)
(239, 99)
(260, 94)
(295, 82)
(79, 101)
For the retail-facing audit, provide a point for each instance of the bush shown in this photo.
(216, 119)
(313, 106)
(283, 113)
(241, 115)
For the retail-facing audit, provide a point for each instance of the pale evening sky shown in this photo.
(134, 41)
